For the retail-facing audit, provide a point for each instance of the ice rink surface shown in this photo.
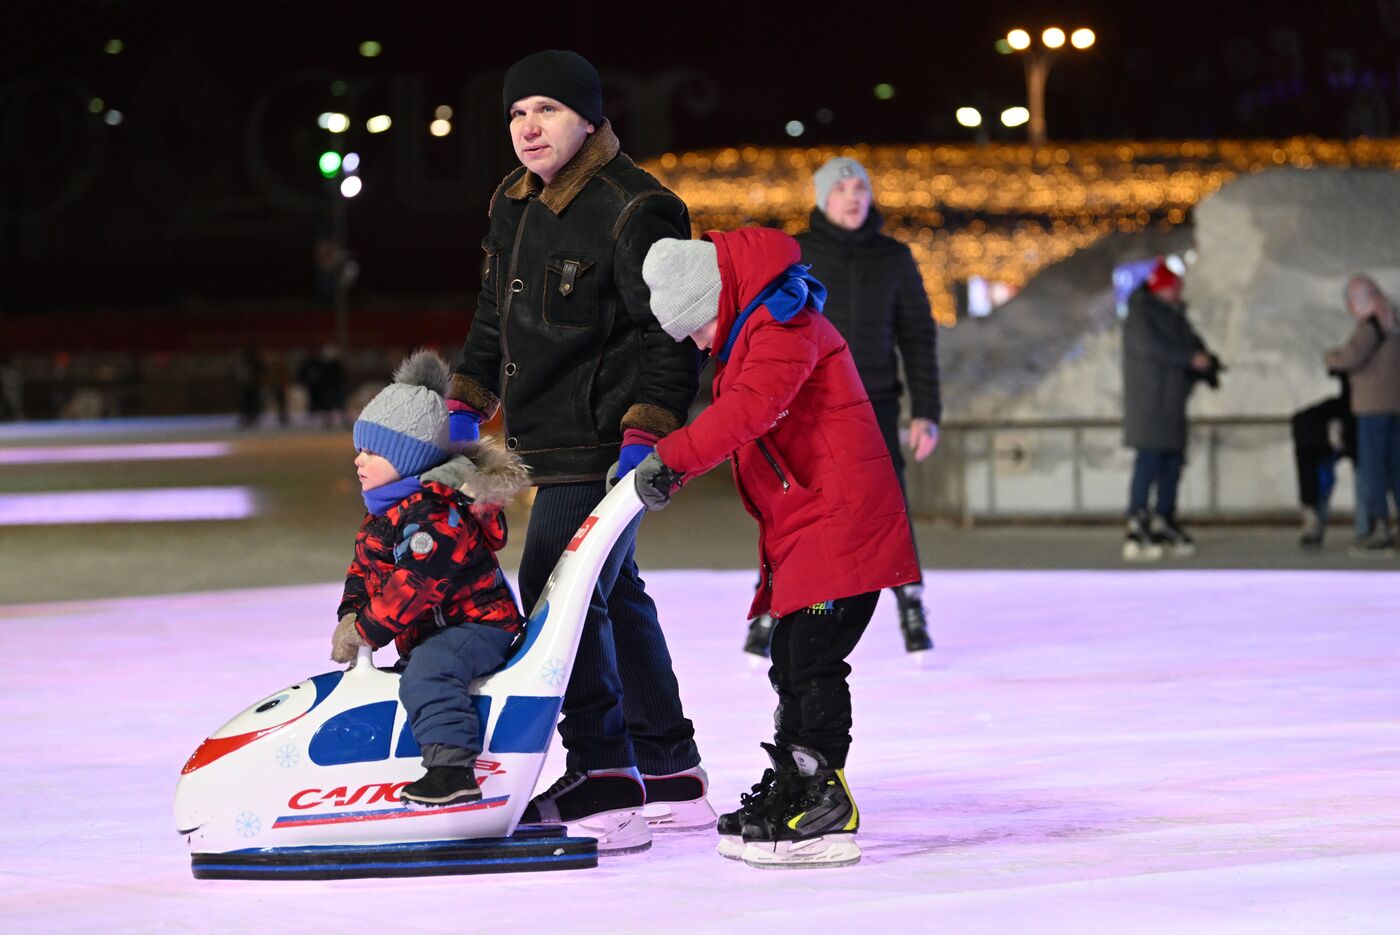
(1127, 752)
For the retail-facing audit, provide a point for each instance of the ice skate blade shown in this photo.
(617, 833)
(834, 850)
(680, 817)
(730, 846)
(756, 661)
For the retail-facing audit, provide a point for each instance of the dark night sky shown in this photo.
(174, 206)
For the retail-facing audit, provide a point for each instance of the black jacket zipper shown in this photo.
(774, 464)
(510, 304)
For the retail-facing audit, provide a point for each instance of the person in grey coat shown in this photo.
(1163, 359)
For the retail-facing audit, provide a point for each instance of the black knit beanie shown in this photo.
(567, 77)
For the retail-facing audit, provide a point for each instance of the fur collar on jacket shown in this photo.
(598, 150)
(485, 471)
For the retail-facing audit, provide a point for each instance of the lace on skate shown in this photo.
(754, 799)
(562, 784)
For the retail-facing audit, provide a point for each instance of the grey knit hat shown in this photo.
(406, 422)
(833, 171)
(683, 276)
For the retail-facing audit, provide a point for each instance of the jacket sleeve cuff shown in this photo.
(639, 437)
(466, 390)
(650, 419)
(374, 634)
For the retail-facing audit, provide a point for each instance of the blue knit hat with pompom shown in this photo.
(406, 422)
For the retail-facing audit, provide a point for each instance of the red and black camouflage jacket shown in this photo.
(429, 562)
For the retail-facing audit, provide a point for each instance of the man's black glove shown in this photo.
(655, 482)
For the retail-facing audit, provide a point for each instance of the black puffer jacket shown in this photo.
(876, 299)
(564, 339)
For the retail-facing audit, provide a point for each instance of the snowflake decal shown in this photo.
(248, 824)
(553, 672)
(288, 756)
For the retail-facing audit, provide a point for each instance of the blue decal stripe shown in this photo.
(526, 724)
(324, 684)
(401, 811)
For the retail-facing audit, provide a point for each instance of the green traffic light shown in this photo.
(330, 164)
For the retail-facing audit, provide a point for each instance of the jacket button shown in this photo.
(511, 369)
(517, 285)
(512, 443)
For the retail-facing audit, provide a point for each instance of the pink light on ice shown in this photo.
(172, 451)
(160, 505)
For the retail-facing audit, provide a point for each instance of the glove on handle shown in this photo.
(655, 482)
(346, 641)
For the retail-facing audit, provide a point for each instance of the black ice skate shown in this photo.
(603, 803)
(1138, 544)
(912, 622)
(677, 801)
(760, 635)
(753, 803)
(811, 819)
(443, 785)
(1174, 540)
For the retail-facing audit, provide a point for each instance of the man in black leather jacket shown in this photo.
(564, 343)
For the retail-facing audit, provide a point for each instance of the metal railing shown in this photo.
(1238, 468)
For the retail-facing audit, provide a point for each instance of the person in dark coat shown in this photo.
(792, 416)
(1324, 433)
(876, 300)
(1163, 359)
(565, 345)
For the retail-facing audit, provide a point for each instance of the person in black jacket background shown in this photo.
(876, 299)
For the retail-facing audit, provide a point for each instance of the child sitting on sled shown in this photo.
(425, 575)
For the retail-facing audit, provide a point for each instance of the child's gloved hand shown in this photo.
(346, 641)
(655, 482)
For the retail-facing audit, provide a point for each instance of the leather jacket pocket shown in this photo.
(571, 291)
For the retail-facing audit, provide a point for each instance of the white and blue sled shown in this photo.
(304, 783)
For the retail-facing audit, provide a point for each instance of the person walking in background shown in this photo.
(1163, 359)
(1323, 434)
(1371, 359)
(564, 343)
(876, 300)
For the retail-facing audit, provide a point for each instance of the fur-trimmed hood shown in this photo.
(484, 471)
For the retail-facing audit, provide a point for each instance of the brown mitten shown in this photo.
(346, 641)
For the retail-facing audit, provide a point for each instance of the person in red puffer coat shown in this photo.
(792, 416)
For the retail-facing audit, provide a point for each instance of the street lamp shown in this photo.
(1038, 59)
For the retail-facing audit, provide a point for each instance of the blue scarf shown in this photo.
(793, 290)
(379, 499)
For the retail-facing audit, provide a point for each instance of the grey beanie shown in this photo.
(406, 422)
(683, 276)
(833, 171)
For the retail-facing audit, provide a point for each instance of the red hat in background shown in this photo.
(1162, 277)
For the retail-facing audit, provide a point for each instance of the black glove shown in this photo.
(655, 482)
